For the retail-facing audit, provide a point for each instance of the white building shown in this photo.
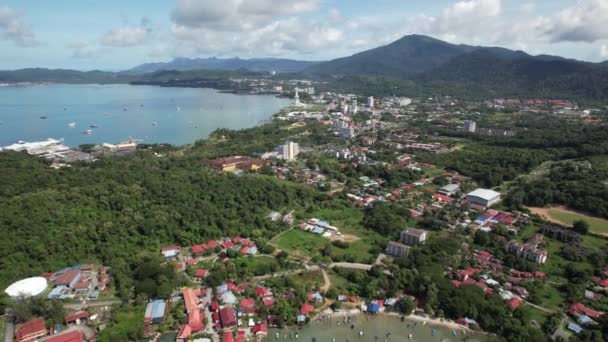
(296, 99)
(370, 102)
(413, 236)
(289, 151)
(405, 101)
(355, 108)
(309, 91)
(470, 126)
(483, 197)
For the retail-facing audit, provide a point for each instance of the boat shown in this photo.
(72, 124)
(154, 123)
(94, 126)
(88, 132)
(43, 117)
(433, 332)
(454, 332)
(410, 336)
(361, 333)
(179, 109)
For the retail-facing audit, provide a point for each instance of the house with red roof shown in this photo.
(262, 291)
(514, 303)
(227, 336)
(600, 282)
(201, 274)
(240, 336)
(236, 239)
(68, 278)
(577, 309)
(198, 249)
(306, 309)
(260, 329)
(195, 320)
(248, 305)
(184, 333)
(212, 244)
(227, 244)
(30, 330)
(191, 262)
(71, 336)
(443, 198)
(268, 301)
(228, 317)
(77, 318)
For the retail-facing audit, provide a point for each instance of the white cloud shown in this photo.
(13, 28)
(84, 50)
(586, 21)
(604, 51)
(125, 36)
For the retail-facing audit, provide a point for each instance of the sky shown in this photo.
(120, 34)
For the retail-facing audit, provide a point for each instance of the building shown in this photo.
(413, 236)
(449, 190)
(355, 108)
(405, 101)
(347, 132)
(483, 197)
(309, 91)
(170, 251)
(397, 249)
(155, 312)
(529, 250)
(228, 317)
(68, 278)
(31, 330)
(289, 151)
(370, 102)
(71, 336)
(230, 164)
(296, 99)
(470, 126)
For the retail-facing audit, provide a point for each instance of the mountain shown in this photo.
(485, 73)
(408, 56)
(213, 63)
(62, 76)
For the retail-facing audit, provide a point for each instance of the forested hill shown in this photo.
(254, 64)
(485, 72)
(115, 209)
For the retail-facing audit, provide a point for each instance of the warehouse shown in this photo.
(483, 197)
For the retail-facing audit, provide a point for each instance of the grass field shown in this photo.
(596, 224)
(309, 279)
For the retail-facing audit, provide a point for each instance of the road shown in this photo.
(81, 306)
(9, 328)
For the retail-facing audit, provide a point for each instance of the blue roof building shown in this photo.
(158, 310)
(577, 329)
(373, 308)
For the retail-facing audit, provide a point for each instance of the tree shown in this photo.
(407, 306)
(581, 227)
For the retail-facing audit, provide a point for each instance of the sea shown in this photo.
(378, 328)
(115, 113)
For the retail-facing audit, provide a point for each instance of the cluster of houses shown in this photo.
(85, 281)
(319, 227)
(35, 330)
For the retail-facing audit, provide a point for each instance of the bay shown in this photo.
(116, 112)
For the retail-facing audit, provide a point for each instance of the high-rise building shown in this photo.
(413, 236)
(470, 126)
(355, 108)
(289, 151)
(405, 101)
(397, 249)
(296, 99)
(370, 102)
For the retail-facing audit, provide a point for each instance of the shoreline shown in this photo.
(444, 323)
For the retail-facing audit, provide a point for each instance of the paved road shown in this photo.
(9, 328)
(81, 306)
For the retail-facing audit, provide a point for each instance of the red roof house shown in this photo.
(198, 249)
(227, 336)
(514, 303)
(72, 336)
(31, 330)
(201, 273)
(76, 317)
(306, 309)
(212, 244)
(577, 309)
(260, 329)
(228, 317)
(248, 305)
(68, 278)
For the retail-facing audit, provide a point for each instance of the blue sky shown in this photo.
(114, 35)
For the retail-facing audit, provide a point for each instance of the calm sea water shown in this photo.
(151, 114)
(375, 329)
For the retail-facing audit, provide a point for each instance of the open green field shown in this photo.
(309, 279)
(596, 224)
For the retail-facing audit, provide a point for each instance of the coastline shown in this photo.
(444, 323)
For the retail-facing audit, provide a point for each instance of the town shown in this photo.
(377, 161)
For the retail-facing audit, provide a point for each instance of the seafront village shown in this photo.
(405, 221)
